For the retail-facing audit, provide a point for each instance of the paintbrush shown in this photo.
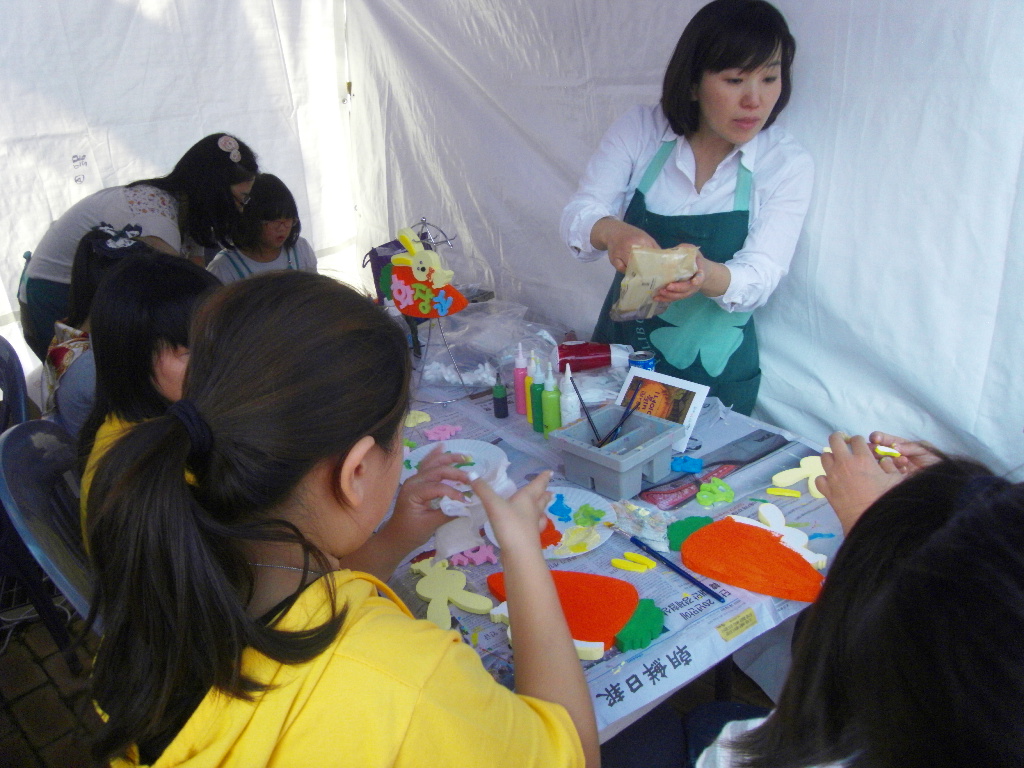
(613, 433)
(636, 541)
(585, 410)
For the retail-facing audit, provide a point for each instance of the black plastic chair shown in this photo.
(39, 492)
(14, 408)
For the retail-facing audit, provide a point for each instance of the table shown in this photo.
(698, 632)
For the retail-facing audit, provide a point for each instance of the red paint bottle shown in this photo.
(584, 355)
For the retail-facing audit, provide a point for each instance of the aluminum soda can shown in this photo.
(643, 359)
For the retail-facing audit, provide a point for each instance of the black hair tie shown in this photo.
(198, 430)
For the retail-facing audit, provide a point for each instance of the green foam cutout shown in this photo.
(643, 626)
(681, 529)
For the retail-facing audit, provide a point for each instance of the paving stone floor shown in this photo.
(46, 714)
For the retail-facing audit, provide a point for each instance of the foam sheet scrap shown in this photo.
(442, 431)
(415, 418)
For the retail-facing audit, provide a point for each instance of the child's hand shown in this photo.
(915, 456)
(854, 477)
(416, 514)
(517, 521)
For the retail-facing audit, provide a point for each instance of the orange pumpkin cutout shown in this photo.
(654, 398)
(751, 558)
(596, 607)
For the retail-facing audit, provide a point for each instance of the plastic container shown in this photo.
(584, 355)
(642, 450)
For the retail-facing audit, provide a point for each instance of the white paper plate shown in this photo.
(575, 498)
(485, 456)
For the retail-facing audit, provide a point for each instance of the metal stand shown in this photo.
(419, 379)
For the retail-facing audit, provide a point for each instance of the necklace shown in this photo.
(287, 568)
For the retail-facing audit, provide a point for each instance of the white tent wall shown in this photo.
(904, 305)
(104, 93)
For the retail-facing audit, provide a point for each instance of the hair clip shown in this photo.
(230, 145)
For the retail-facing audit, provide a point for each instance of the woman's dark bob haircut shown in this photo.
(269, 200)
(725, 34)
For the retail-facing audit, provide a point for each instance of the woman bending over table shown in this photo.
(706, 167)
(194, 207)
(246, 620)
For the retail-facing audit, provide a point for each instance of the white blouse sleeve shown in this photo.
(768, 250)
(609, 180)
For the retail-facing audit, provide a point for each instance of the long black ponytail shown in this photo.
(286, 370)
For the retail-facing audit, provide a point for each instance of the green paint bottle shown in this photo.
(537, 402)
(551, 403)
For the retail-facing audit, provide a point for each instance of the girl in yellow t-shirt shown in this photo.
(245, 617)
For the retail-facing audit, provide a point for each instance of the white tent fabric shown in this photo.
(104, 93)
(904, 306)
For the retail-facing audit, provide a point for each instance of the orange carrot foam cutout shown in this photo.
(596, 607)
(752, 558)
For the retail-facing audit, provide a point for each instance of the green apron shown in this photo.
(694, 339)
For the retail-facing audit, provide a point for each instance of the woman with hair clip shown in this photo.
(193, 207)
(912, 655)
(139, 332)
(266, 237)
(246, 620)
(707, 167)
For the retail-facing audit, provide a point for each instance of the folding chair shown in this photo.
(39, 493)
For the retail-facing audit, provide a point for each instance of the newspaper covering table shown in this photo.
(699, 631)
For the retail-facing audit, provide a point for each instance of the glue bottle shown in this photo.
(550, 405)
(500, 398)
(537, 400)
(519, 374)
(531, 372)
(568, 403)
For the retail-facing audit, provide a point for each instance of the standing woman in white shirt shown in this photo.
(705, 167)
(267, 235)
(193, 207)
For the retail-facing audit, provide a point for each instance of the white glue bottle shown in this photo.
(568, 403)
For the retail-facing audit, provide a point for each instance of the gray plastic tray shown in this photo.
(643, 449)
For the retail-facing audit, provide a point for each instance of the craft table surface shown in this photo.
(698, 632)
